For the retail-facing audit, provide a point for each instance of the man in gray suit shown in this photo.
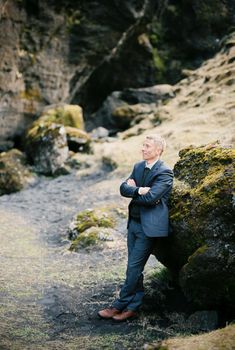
(149, 186)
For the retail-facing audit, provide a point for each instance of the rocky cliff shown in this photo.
(79, 52)
(61, 51)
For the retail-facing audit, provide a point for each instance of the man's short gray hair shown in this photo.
(158, 140)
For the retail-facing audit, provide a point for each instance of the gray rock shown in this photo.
(152, 94)
(6, 146)
(48, 148)
(99, 133)
(149, 95)
(203, 321)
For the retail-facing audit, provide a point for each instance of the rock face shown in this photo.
(59, 51)
(187, 33)
(80, 52)
(201, 248)
(121, 103)
(14, 173)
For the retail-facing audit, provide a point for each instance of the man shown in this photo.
(149, 186)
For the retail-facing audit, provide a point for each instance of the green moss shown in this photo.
(195, 162)
(41, 130)
(201, 204)
(85, 240)
(199, 251)
(159, 63)
(73, 19)
(90, 217)
(48, 125)
(67, 115)
(31, 94)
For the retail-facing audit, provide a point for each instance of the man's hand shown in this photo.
(131, 182)
(143, 190)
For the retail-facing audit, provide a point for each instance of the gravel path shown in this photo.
(50, 296)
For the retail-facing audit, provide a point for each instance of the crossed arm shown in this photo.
(141, 190)
(148, 196)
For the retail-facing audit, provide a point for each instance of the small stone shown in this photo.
(99, 133)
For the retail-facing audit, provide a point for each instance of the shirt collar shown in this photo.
(151, 164)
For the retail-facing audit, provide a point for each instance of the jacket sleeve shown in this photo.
(161, 184)
(127, 190)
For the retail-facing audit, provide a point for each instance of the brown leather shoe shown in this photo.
(125, 315)
(108, 313)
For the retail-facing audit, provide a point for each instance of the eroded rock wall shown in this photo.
(62, 51)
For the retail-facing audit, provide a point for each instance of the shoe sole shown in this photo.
(104, 318)
(132, 318)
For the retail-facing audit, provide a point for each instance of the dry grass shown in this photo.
(222, 339)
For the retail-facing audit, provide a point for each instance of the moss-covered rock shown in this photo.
(78, 140)
(209, 276)
(67, 115)
(201, 248)
(50, 136)
(90, 218)
(46, 145)
(128, 115)
(14, 172)
(93, 237)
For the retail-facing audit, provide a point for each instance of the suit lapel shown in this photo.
(139, 173)
(153, 171)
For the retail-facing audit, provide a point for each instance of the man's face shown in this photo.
(150, 151)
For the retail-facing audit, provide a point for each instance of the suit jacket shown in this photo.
(153, 205)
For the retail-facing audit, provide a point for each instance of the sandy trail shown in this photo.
(49, 297)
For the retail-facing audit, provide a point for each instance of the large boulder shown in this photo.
(46, 145)
(201, 248)
(58, 129)
(118, 101)
(14, 172)
(90, 228)
(129, 115)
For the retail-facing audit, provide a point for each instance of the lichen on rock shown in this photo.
(201, 249)
(49, 137)
(88, 218)
(93, 237)
(46, 146)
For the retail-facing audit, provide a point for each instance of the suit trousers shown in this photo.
(139, 249)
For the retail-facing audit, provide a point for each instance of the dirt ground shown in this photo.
(49, 296)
